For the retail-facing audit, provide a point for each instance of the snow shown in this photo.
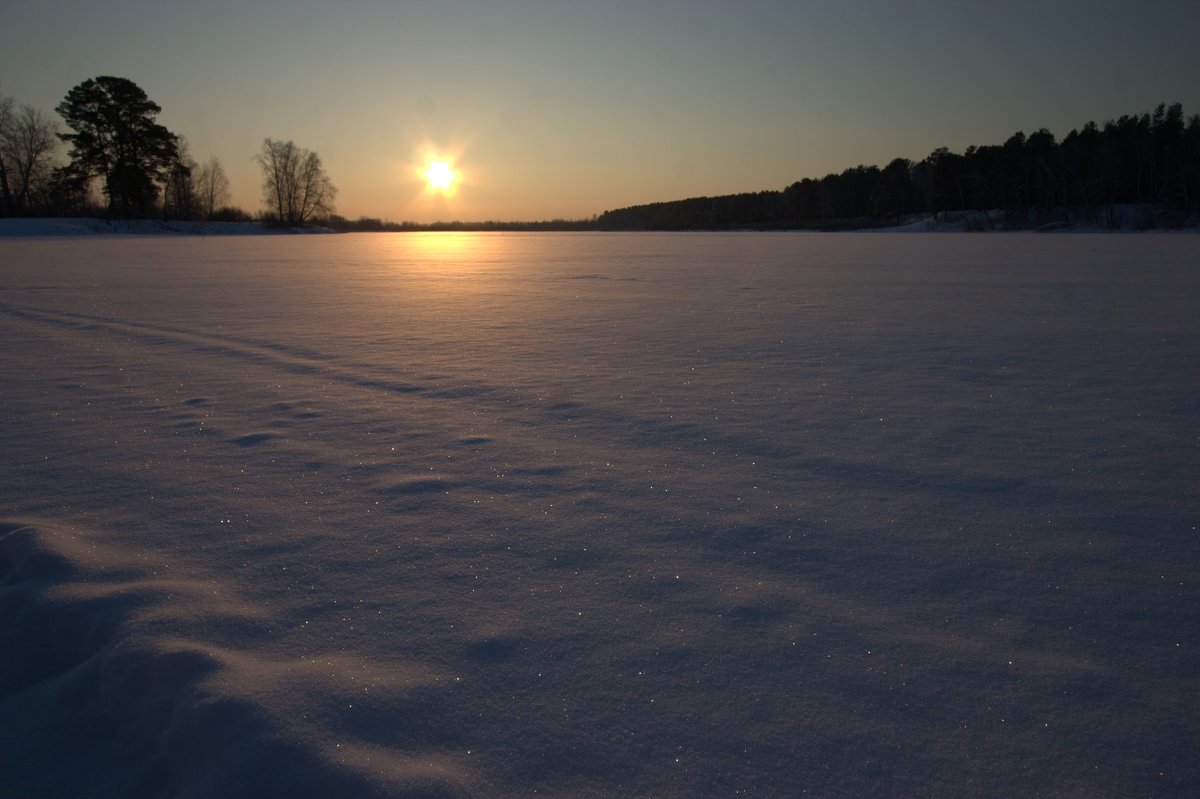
(85, 226)
(1128, 217)
(599, 515)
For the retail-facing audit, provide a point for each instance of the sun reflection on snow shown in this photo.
(445, 245)
(419, 251)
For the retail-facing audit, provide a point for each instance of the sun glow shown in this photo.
(440, 176)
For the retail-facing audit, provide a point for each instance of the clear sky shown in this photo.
(567, 109)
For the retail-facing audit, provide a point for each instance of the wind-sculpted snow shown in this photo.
(585, 515)
(122, 679)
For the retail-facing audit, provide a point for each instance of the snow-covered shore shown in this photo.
(1127, 219)
(86, 226)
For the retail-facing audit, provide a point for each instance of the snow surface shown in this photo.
(600, 515)
(84, 226)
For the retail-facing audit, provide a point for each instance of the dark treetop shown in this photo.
(116, 138)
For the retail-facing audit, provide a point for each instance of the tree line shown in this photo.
(122, 163)
(368, 224)
(1150, 160)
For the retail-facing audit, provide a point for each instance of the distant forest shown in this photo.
(1151, 161)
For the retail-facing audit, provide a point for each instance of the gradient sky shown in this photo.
(567, 109)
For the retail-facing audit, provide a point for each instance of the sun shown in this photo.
(440, 176)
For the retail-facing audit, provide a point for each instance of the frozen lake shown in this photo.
(598, 515)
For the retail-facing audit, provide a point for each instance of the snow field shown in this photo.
(599, 515)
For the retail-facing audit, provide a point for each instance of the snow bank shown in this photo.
(10, 227)
(1114, 218)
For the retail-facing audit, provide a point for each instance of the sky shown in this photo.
(567, 109)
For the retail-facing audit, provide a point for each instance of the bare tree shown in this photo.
(295, 185)
(6, 117)
(28, 140)
(212, 188)
(179, 189)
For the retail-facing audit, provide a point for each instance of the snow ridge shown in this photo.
(115, 643)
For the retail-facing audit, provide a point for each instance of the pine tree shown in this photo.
(116, 139)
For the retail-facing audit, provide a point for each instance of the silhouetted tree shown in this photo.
(1167, 133)
(212, 188)
(893, 193)
(179, 191)
(1041, 168)
(28, 139)
(944, 176)
(295, 185)
(6, 114)
(1079, 155)
(116, 139)
(1190, 163)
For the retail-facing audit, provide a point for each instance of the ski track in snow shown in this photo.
(600, 516)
